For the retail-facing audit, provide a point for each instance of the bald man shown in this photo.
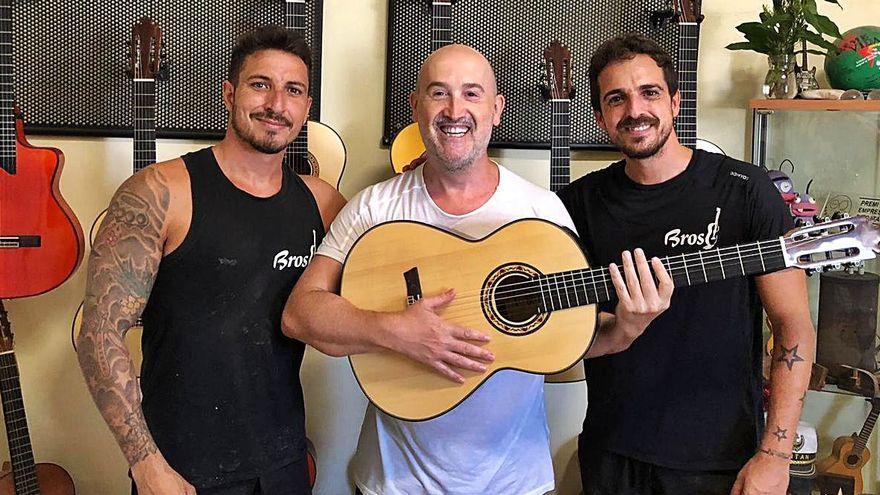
(496, 440)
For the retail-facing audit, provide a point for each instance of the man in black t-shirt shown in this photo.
(680, 411)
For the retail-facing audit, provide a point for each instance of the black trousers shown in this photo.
(607, 473)
(292, 479)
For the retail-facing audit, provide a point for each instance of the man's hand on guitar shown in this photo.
(641, 297)
(422, 335)
(153, 476)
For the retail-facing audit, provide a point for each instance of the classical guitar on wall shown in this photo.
(530, 287)
(407, 144)
(849, 454)
(145, 65)
(25, 477)
(689, 16)
(318, 150)
(559, 91)
(41, 241)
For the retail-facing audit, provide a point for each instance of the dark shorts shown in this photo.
(292, 479)
(607, 473)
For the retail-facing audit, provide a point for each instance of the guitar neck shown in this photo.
(23, 467)
(688, 46)
(862, 440)
(441, 24)
(560, 144)
(144, 122)
(7, 90)
(569, 289)
(297, 154)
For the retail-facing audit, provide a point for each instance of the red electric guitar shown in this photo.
(41, 241)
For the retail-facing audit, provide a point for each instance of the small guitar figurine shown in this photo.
(27, 477)
(843, 468)
(41, 241)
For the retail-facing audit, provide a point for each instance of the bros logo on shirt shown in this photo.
(286, 260)
(675, 238)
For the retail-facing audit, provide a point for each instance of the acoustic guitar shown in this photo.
(25, 477)
(318, 150)
(41, 241)
(529, 286)
(145, 65)
(407, 144)
(559, 90)
(850, 454)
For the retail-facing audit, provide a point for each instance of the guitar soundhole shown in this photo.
(511, 299)
(314, 168)
(852, 460)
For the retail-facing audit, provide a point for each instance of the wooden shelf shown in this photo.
(816, 105)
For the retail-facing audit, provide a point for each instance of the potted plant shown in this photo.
(779, 30)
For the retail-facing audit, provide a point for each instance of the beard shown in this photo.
(643, 148)
(456, 163)
(266, 144)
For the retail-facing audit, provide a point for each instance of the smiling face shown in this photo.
(456, 105)
(269, 103)
(636, 108)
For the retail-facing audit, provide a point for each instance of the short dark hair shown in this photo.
(626, 47)
(267, 38)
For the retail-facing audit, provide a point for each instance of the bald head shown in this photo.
(460, 59)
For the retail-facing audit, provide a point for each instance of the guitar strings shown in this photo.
(600, 277)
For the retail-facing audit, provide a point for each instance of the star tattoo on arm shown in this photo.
(780, 433)
(789, 356)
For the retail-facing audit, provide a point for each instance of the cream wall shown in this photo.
(67, 429)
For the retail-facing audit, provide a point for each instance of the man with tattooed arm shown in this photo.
(679, 411)
(206, 248)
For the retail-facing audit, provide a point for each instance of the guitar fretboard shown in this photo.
(7, 87)
(569, 289)
(144, 122)
(441, 24)
(688, 46)
(862, 440)
(560, 144)
(297, 154)
(20, 451)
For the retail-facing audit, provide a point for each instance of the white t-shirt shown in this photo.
(496, 441)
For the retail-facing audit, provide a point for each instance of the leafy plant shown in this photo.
(787, 23)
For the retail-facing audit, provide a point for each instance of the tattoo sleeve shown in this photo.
(121, 269)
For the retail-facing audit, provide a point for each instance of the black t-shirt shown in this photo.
(221, 390)
(687, 393)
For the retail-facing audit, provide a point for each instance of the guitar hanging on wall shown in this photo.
(41, 241)
(538, 304)
(689, 16)
(145, 67)
(26, 476)
(559, 91)
(318, 150)
(407, 144)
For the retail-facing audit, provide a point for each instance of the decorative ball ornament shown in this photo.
(857, 65)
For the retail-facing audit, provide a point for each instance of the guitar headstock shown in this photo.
(835, 244)
(689, 11)
(5, 330)
(145, 50)
(558, 72)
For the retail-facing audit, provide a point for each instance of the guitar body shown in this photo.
(32, 205)
(373, 279)
(51, 478)
(842, 462)
(406, 147)
(326, 153)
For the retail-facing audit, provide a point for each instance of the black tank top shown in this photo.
(221, 390)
